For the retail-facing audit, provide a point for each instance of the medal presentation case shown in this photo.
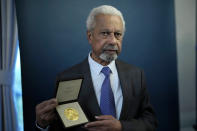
(68, 109)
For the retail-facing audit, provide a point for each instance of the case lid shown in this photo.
(68, 90)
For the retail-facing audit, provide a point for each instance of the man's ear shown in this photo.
(89, 36)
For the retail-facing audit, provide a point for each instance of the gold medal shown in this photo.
(71, 114)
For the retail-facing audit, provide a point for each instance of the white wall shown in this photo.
(185, 12)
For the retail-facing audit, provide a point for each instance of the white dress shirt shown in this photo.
(98, 78)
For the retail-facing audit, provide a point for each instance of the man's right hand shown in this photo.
(45, 112)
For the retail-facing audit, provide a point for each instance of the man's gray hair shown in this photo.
(103, 9)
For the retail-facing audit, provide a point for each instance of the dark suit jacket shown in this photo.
(137, 113)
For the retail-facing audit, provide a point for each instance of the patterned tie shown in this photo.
(107, 103)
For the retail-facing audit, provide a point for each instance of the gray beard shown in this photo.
(108, 58)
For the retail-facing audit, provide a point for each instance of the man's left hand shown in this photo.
(104, 123)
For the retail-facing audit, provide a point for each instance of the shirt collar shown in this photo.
(96, 67)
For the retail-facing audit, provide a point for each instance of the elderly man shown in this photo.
(113, 94)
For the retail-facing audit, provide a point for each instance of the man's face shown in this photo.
(106, 38)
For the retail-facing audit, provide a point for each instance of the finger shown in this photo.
(105, 117)
(94, 129)
(48, 108)
(47, 102)
(48, 117)
(94, 124)
(42, 106)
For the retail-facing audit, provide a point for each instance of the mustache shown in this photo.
(110, 47)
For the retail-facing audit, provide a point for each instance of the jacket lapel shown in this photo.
(87, 96)
(125, 82)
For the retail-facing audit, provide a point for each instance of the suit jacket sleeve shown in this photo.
(145, 120)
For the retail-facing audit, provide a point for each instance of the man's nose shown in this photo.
(112, 39)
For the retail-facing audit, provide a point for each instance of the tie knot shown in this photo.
(106, 71)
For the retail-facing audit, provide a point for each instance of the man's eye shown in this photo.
(118, 34)
(105, 33)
